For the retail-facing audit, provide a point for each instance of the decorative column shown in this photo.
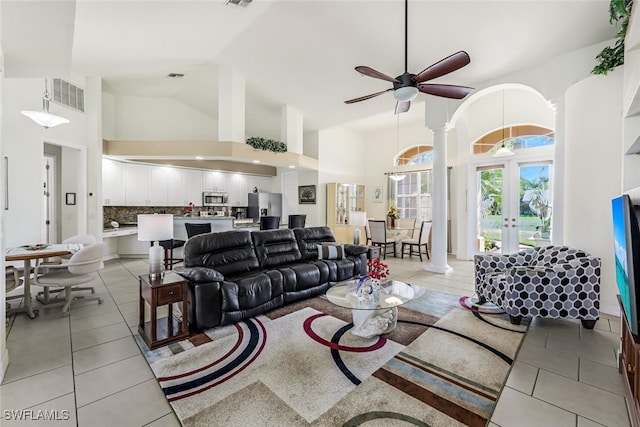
(291, 130)
(231, 105)
(557, 210)
(437, 119)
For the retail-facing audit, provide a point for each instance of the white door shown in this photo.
(49, 195)
(513, 205)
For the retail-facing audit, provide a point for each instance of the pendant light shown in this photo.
(397, 176)
(503, 151)
(44, 118)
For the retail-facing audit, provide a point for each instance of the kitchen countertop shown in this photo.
(121, 231)
(202, 218)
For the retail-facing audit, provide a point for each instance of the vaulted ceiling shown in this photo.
(301, 53)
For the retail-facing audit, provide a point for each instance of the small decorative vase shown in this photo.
(391, 222)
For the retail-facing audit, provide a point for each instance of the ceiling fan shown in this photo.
(406, 86)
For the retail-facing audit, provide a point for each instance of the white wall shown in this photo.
(23, 146)
(593, 163)
(156, 119)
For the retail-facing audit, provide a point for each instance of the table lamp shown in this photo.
(153, 228)
(357, 219)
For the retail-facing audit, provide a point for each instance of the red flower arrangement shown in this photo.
(377, 269)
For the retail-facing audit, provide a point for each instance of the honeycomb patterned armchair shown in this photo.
(552, 281)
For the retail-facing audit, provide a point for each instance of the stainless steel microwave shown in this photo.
(214, 199)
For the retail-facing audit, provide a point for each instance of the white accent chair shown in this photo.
(12, 281)
(82, 268)
(421, 241)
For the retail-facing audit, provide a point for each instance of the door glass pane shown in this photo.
(535, 205)
(490, 205)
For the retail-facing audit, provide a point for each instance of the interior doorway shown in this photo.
(513, 205)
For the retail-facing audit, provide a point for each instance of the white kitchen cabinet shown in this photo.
(237, 190)
(175, 187)
(192, 186)
(145, 185)
(112, 183)
(262, 183)
(215, 181)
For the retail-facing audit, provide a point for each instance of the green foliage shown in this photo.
(392, 212)
(612, 56)
(267, 144)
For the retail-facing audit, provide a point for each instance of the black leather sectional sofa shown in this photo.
(235, 275)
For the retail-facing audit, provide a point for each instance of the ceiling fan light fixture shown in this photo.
(44, 118)
(407, 93)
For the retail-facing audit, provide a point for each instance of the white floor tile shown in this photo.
(95, 321)
(110, 379)
(522, 377)
(169, 420)
(44, 359)
(590, 402)
(602, 376)
(134, 407)
(104, 354)
(515, 409)
(97, 336)
(37, 389)
(551, 360)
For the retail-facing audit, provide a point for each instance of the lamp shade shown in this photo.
(407, 93)
(358, 218)
(503, 152)
(45, 119)
(155, 227)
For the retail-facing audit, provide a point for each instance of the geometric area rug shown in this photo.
(445, 364)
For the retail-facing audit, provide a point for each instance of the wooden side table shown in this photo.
(170, 289)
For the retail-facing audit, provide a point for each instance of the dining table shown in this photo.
(398, 233)
(28, 253)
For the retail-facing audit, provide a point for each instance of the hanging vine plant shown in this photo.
(267, 144)
(612, 56)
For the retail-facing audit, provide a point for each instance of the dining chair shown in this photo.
(269, 222)
(367, 233)
(82, 268)
(193, 229)
(422, 240)
(12, 281)
(408, 224)
(297, 221)
(379, 237)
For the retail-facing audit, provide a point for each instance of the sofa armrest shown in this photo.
(355, 250)
(200, 274)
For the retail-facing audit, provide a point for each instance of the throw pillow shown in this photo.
(331, 251)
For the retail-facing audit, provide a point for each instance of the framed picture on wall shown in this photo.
(307, 194)
(377, 194)
(71, 198)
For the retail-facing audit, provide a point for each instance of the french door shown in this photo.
(514, 204)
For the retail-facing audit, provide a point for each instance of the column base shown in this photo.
(440, 269)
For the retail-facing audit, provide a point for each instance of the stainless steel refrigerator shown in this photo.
(264, 204)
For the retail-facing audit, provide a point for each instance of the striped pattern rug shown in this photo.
(445, 364)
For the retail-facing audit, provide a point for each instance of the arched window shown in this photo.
(417, 155)
(514, 137)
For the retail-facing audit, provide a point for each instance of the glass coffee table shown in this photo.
(377, 314)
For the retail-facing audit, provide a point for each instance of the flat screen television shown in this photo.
(626, 236)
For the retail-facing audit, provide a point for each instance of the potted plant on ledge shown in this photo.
(392, 215)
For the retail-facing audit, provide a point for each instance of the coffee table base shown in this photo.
(371, 323)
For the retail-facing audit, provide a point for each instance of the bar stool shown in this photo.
(169, 246)
(297, 221)
(269, 222)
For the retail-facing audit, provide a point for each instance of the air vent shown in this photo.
(238, 3)
(67, 94)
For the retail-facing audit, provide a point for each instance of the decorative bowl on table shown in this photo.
(36, 247)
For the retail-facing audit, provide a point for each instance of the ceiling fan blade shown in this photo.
(445, 66)
(402, 106)
(446, 91)
(367, 71)
(363, 98)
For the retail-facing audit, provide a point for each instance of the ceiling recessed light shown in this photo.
(292, 167)
(256, 161)
(199, 158)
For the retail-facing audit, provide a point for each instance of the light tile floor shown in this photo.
(89, 364)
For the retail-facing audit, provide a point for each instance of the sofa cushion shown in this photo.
(199, 274)
(548, 256)
(309, 238)
(330, 251)
(248, 297)
(230, 252)
(276, 247)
